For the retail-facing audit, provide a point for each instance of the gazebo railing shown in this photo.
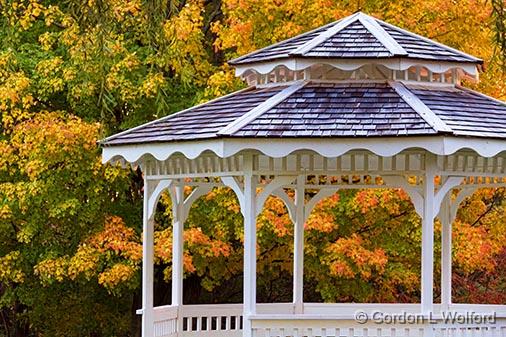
(212, 320)
(320, 327)
(218, 320)
(325, 320)
(165, 321)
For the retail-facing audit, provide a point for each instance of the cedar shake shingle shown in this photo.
(323, 109)
(357, 41)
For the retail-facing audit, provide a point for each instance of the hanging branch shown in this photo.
(499, 15)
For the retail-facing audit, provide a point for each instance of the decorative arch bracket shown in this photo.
(273, 188)
(446, 187)
(181, 205)
(322, 194)
(155, 190)
(414, 192)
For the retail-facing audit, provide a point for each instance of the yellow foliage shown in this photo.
(117, 274)
(50, 270)
(85, 262)
(15, 99)
(9, 269)
(222, 82)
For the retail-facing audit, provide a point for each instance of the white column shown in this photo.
(250, 256)
(177, 245)
(298, 250)
(446, 254)
(177, 197)
(147, 265)
(428, 235)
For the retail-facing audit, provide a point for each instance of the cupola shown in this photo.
(351, 81)
(358, 47)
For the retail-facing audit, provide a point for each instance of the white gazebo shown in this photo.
(358, 103)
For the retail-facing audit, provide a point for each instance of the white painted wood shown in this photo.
(394, 63)
(431, 41)
(449, 184)
(278, 43)
(194, 195)
(414, 193)
(289, 203)
(298, 250)
(230, 333)
(322, 319)
(119, 134)
(165, 321)
(234, 184)
(327, 147)
(423, 110)
(455, 204)
(177, 244)
(147, 264)
(381, 35)
(322, 194)
(254, 113)
(446, 254)
(474, 92)
(155, 195)
(427, 281)
(268, 190)
(334, 29)
(464, 164)
(249, 213)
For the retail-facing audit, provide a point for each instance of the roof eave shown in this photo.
(301, 56)
(223, 147)
(349, 64)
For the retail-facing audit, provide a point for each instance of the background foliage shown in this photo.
(73, 71)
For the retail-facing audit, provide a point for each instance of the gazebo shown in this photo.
(358, 103)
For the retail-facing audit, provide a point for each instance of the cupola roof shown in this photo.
(358, 36)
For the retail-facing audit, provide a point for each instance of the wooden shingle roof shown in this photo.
(318, 109)
(358, 36)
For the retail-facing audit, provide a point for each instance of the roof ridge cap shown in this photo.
(119, 134)
(254, 52)
(257, 111)
(426, 39)
(381, 34)
(324, 36)
(420, 107)
(469, 90)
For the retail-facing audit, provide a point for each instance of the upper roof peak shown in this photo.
(358, 36)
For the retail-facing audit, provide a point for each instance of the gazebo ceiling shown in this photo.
(358, 36)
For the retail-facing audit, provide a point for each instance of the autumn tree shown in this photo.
(55, 196)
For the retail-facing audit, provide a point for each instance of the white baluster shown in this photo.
(238, 322)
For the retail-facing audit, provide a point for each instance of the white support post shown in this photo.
(446, 254)
(298, 250)
(428, 235)
(147, 264)
(177, 196)
(177, 245)
(250, 256)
